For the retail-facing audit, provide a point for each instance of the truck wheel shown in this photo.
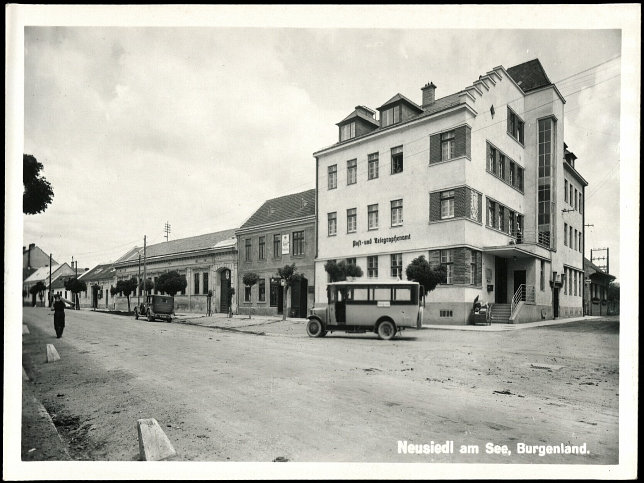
(386, 330)
(150, 318)
(314, 328)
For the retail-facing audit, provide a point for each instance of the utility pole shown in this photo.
(604, 266)
(145, 277)
(50, 279)
(138, 298)
(167, 230)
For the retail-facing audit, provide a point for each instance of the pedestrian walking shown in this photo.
(59, 315)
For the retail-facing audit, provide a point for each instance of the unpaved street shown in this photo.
(222, 395)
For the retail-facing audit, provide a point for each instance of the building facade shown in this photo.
(596, 299)
(33, 258)
(281, 232)
(99, 280)
(48, 277)
(473, 181)
(208, 263)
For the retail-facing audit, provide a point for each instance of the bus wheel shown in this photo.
(314, 328)
(386, 330)
(150, 318)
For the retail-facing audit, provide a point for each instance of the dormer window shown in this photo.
(348, 131)
(390, 116)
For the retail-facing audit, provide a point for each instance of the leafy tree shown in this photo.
(39, 287)
(126, 287)
(420, 271)
(171, 283)
(339, 271)
(38, 193)
(249, 280)
(75, 286)
(287, 273)
(149, 285)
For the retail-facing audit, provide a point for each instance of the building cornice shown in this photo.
(276, 224)
(575, 173)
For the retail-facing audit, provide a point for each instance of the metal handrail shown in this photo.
(540, 238)
(525, 293)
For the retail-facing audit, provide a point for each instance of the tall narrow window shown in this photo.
(205, 283)
(511, 174)
(390, 116)
(575, 198)
(515, 126)
(565, 234)
(372, 217)
(520, 178)
(396, 160)
(571, 194)
(196, 284)
(448, 142)
(248, 247)
(352, 220)
(542, 281)
(565, 190)
(491, 165)
(372, 267)
(262, 248)
(581, 209)
(262, 290)
(333, 223)
(373, 165)
(396, 265)
(333, 176)
(502, 166)
(447, 260)
(298, 243)
(447, 204)
(396, 212)
(352, 171)
(277, 246)
(348, 131)
(501, 223)
(474, 205)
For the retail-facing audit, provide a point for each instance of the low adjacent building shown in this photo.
(99, 280)
(281, 232)
(596, 300)
(47, 276)
(33, 258)
(208, 262)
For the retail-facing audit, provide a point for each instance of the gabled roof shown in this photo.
(591, 269)
(400, 98)
(358, 113)
(176, 247)
(284, 208)
(529, 75)
(99, 272)
(42, 274)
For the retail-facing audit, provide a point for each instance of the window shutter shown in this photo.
(434, 148)
(462, 141)
(434, 206)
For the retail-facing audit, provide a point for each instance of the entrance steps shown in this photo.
(500, 313)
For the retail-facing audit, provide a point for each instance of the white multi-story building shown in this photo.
(474, 181)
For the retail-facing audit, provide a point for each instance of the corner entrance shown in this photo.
(224, 288)
(519, 279)
(501, 280)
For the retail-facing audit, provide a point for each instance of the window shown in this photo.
(491, 210)
(542, 275)
(581, 249)
(447, 204)
(351, 261)
(565, 234)
(262, 290)
(446, 313)
(373, 165)
(298, 243)
(473, 271)
(515, 126)
(575, 283)
(333, 223)
(262, 248)
(196, 284)
(348, 131)
(502, 166)
(447, 260)
(396, 212)
(581, 210)
(569, 282)
(448, 142)
(390, 116)
(501, 225)
(372, 216)
(274, 292)
(205, 283)
(492, 160)
(511, 174)
(474, 205)
(352, 171)
(575, 198)
(570, 236)
(571, 195)
(544, 204)
(396, 265)
(277, 246)
(247, 293)
(565, 190)
(248, 248)
(183, 290)
(511, 216)
(565, 281)
(352, 220)
(396, 160)
(372, 267)
(520, 178)
(574, 244)
(333, 176)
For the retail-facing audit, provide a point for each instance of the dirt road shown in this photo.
(233, 396)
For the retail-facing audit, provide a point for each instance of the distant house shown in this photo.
(596, 291)
(208, 262)
(44, 275)
(99, 280)
(58, 285)
(33, 258)
(279, 233)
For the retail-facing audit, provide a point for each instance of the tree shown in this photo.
(338, 272)
(249, 280)
(75, 286)
(126, 287)
(420, 271)
(38, 193)
(171, 283)
(288, 275)
(149, 285)
(39, 287)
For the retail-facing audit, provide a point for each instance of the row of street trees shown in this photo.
(169, 282)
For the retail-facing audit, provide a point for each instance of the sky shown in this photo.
(196, 126)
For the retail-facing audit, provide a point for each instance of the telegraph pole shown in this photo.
(50, 279)
(167, 230)
(138, 298)
(145, 277)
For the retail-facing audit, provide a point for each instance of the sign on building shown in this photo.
(286, 245)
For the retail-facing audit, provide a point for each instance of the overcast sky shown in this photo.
(197, 126)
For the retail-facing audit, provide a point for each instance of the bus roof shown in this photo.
(374, 282)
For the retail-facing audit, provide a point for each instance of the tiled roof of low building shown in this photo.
(591, 269)
(284, 208)
(42, 273)
(99, 272)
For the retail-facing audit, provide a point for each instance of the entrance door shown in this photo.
(519, 279)
(501, 289)
(280, 299)
(555, 302)
(224, 287)
(94, 296)
(298, 298)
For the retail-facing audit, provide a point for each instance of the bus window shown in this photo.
(382, 294)
(331, 294)
(402, 294)
(360, 294)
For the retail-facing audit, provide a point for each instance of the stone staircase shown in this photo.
(500, 313)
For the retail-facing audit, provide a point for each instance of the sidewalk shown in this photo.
(505, 327)
(257, 324)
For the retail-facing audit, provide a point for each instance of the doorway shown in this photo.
(555, 302)
(519, 279)
(501, 280)
(299, 297)
(224, 288)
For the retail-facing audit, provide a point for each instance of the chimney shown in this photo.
(429, 94)
(32, 245)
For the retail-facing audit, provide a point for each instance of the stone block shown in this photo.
(154, 445)
(52, 353)
(25, 329)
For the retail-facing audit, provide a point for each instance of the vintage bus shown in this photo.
(385, 308)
